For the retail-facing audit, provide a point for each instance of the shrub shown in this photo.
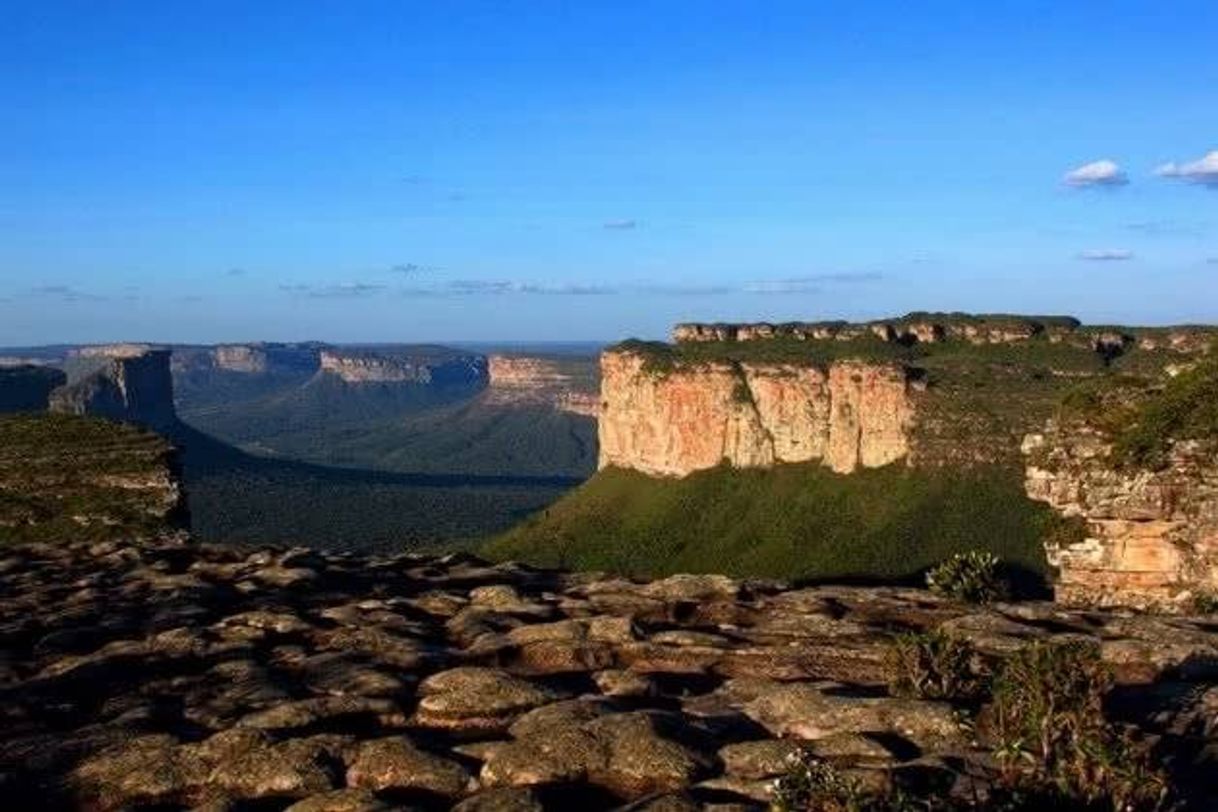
(1186, 409)
(971, 577)
(814, 785)
(934, 665)
(1056, 748)
(1205, 603)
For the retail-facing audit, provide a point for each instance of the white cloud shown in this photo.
(1204, 170)
(1096, 173)
(1106, 254)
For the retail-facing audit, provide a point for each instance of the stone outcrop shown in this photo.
(240, 358)
(130, 383)
(366, 366)
(530, 381)
(173, 675)
(1151, 538)
(690, 418)
(933, 328)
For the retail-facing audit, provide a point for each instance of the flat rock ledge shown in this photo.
(174, 675)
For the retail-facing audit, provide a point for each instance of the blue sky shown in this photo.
(407, 171)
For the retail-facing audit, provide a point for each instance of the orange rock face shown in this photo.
(1152, 536)
(751, 415)
(516, 380)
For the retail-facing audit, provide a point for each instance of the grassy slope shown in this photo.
(794, 521)
(62, 475)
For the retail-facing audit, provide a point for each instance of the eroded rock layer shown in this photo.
(530, 381)
(751, 414)
(171, 675)
(130, 383)
(355, 366)
(1151, 535)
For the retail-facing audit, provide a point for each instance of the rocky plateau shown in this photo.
(175, 675)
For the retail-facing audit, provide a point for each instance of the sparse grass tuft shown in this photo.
(935, 665)
(1056, 747)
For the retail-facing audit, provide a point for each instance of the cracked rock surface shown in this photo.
(173, 675)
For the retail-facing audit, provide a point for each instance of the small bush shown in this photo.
(1205, 603)
(934, 665)
(1056, 747)
(814, 785)
(971, 577)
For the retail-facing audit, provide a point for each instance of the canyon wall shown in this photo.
(1151, 539)
(677, 421)
(357, 366)
(129, 383)
(545, 382)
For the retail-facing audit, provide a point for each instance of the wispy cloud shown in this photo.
(235, 272)
(1106, 255)
(1203, 171)
(1103, 173)
(620, 225)
(812, 283)
(341, 290)
(66, 293)
(1163, 228)
(406, 268)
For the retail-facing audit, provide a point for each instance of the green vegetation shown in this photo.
(971, 577)
(791, 522)
(64, 476)
(1186, 409)
(1057, 749)
(239, 497)
(660, 358)
(1144, 415)
(815, 785)
(934, 665)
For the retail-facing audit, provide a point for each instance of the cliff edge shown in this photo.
(852, 414)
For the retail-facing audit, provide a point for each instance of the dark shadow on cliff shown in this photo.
(234, 496)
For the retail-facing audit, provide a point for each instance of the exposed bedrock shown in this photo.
(1151, 537)
(130, 383)
(751, 414)
(357, 366)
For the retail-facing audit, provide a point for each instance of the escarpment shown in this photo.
(567, 385)
(751, 414)
(130, 383)
(369, 366)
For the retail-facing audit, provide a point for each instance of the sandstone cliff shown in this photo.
(128, 383)
(1151, 537)
(751, 414)
(365, 366)
(547, 382)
